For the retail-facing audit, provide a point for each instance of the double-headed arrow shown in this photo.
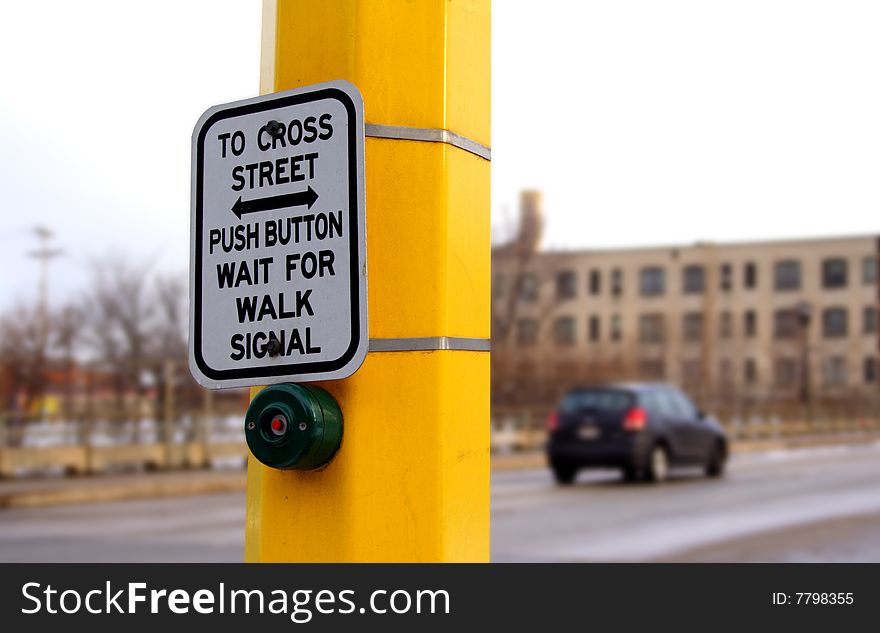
(242, 207)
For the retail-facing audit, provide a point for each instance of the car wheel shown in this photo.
(564, 475)
(717, 461)
(658, 464)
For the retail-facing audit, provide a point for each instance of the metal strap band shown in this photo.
(431, 135)
(429, 344)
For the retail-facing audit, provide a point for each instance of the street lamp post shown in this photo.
(45, 254)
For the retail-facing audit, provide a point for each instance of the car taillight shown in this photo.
(636, 419)
(553, 421)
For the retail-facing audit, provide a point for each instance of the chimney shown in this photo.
(531, 222)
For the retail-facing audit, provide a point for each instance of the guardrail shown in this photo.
(80, 448)
(99, 447)
(524, 429)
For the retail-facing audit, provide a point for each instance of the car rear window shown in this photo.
(596, 400)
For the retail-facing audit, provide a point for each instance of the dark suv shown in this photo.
(641, 428)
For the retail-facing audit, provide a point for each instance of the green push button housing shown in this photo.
(290, 426)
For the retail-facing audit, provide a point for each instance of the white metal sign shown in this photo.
(278, 288)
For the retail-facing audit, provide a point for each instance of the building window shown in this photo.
(870, 370)
(616, 328)
(594, 328)
(564, 331)
(834, 273)
(617, 282)
(651, 328)
(834, 371)
(526, 331)
(750, 323)
(785, 324)
(750, 276)
(726, 277)
(785, 372)
(528, 287)
(566, 285)
(788, 275)
(869, 270)
(834, 322)
(653, 281)
(726, 325)
(595, 282)
(750, 371)
(692, 326)
(694, 281)
(652, 369)
(869, 319)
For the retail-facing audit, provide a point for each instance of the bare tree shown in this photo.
(525, 291)
(168, 347)
(129, 326)
(169, 296)
(66, 329)
(118, 315)
(23, 351)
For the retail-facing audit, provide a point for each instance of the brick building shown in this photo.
(732, 323)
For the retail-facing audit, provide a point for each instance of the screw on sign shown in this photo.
(278, 244)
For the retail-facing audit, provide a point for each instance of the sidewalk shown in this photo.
(23, 493)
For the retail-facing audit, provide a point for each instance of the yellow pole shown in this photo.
(411, 479)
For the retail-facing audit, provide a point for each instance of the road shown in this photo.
(818, 504)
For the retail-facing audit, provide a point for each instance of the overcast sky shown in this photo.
(643, 122)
